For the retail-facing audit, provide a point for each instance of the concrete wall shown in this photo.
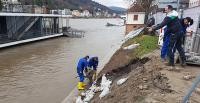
(131, 27)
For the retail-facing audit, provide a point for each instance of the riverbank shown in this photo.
(71, 98)
(149, 80)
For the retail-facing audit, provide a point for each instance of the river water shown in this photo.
(45, 71)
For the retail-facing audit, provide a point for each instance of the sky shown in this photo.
(119, 3)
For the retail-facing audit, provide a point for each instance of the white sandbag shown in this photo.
(130, 47)
(79, 100)
(121, 81)
(104, 92)
(132, 34)
(105, 85)
(89, 94)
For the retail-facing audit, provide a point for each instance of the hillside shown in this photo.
(118, 10)
(70, 4)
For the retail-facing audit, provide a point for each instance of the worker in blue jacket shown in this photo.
(82, 65)
(93, 63)
(186, 22)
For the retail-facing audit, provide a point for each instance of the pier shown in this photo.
(18, 28)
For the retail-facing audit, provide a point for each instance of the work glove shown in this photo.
(89, 69)
(86, 70)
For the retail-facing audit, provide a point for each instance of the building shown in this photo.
(61, 12)
(135, 18)
(85, 13)
(194, 3)
(98, 14)
(40, 10)
(76, 13)
(16, 6)
(68, 12)
(9, 1)
(11, 6)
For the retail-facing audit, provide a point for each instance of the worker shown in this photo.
(81, 68)
(93, 63)
(166, 37)
(185, 22)
(176, 35)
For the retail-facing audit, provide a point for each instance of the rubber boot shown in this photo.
(83, 85)
(182, 61)
(80, 86)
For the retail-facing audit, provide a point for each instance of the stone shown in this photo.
(188, 77)
(198, 91)
(143, 87)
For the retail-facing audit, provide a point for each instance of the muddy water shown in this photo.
(44, 72)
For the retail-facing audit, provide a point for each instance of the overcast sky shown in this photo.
(119, 3)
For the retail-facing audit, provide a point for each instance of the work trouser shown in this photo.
(165, 46)
(176, 41)
(81, 77)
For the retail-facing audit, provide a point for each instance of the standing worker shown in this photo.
(174, 27)
(166, 37)
(93, 63)
(185, 22)
(82, 65)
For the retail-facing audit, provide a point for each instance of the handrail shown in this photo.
(194, 85)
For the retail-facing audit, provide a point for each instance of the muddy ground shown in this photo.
(149, 80)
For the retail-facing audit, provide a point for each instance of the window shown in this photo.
(135, 17)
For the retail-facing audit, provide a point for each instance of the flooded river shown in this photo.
(45, 71)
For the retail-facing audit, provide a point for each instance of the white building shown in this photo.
(76, 13)
(98, 14)
(194, 3)
(61, 12)
(85, 13)
(9, 1)
(135, 18)
(68, 12)
(11, 6)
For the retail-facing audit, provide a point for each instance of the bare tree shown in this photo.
(1, 5)
(146, 4)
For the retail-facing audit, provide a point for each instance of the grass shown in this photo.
(147, 44)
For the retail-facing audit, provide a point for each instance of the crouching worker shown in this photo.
(82, 65)
(93, 63)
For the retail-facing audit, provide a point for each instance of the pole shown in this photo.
(178, 5)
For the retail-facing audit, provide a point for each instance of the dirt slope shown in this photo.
(149, 81)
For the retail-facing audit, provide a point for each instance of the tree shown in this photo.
(39, 3)
(146, 4)
(1, 5)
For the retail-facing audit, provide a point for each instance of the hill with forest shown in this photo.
(70, 4)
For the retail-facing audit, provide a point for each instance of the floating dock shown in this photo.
(19, 28)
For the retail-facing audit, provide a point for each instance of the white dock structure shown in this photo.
(19, 28)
